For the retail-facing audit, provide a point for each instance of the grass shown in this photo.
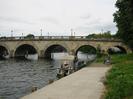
(100, 58)
(119, 81)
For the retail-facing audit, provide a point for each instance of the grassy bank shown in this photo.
(119, 83)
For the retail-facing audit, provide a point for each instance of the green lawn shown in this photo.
(119, 81)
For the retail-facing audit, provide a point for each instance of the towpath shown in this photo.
(83, 84)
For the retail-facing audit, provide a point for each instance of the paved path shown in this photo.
(83, 84)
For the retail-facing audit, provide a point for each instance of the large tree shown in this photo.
(106, 34)
(30, 36)
(124, 20)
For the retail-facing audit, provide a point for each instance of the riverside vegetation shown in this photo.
(119, 79)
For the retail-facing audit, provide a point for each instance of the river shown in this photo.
(18, 77)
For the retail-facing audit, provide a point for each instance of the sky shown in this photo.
(56, 17)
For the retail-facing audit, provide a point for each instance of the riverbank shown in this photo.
(119, 83)
(83, 84)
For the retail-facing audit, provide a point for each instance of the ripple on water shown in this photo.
(17, 77)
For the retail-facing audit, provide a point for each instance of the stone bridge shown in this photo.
(41, 44)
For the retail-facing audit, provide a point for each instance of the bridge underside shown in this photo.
(117, 50)
(53, 49)
(22, 50)
(86, 49)
(3, 52)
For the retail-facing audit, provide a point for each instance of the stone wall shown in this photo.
(71, 45)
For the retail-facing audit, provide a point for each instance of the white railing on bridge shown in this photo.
(54, 38)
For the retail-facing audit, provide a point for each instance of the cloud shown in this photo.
(56, 16)
(97, 28)
(86, 16)
(15, 20)
(93, 22)
(49, 19)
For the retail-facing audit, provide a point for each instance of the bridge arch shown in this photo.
(54, 48)
(86, 45)
(57, 43)
(123, 49)
(120, 49)
(21, 48)
(4, 49)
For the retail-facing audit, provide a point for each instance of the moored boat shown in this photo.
(31, 56)
(6, 56)
(66, 67)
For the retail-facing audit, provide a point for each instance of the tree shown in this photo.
(30, 36)
(99, 54)
(106, 34)
(88, 49)
(124, 20)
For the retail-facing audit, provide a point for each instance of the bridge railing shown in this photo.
(53, 38)
(42, 37)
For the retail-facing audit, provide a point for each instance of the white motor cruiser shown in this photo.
(31, 56)
(6, 56)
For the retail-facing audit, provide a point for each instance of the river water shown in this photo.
(18, 77)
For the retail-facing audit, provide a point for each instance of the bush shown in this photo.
(30, 36)
(120, 78)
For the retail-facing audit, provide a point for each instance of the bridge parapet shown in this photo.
(82, 38)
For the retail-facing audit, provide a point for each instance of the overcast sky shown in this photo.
(56, 16)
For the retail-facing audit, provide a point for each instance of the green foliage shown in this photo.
(99, 54)
(120, 78)
(100, 35)
(124, 19)
(30, 36)
(88, 49)
(100, 59)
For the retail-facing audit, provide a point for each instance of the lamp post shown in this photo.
(41, 31)
(74, 33)
(48, 34)
(71, 32)
(11, 33)
(22, 36)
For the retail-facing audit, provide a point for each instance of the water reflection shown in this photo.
(85, 57)
(80, 55)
